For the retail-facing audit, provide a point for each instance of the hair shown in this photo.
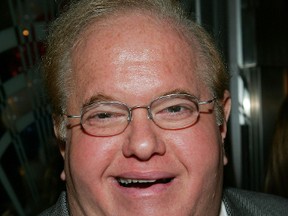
(277, 172)
(65, 33)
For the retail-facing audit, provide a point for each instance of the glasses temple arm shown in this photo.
(207, 102)
(72, 116)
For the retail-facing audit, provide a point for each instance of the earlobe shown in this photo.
(225, 159)
(63, 176)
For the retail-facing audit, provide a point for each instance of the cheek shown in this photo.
(89, 157)
(199, 149)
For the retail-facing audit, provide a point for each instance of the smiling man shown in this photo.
(140, 103)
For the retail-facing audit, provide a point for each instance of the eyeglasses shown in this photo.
(108, 118)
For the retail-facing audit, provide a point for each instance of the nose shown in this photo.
(143, 140)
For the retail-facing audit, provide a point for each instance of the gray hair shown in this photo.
(65, 33)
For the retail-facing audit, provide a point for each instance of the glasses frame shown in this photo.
(147, 107)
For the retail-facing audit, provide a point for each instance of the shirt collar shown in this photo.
(223, 211)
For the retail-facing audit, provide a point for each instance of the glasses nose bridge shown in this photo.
(148, 108)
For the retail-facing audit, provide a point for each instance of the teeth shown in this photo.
(145, 181)
(128, 181)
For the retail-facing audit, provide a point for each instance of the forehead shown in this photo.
(134, 29)
(138, 28)
(134, 49)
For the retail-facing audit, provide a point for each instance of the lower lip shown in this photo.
(153, 190)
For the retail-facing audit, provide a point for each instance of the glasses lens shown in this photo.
(174, 111)
(105, 119)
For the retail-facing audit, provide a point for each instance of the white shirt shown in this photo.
(223, 211)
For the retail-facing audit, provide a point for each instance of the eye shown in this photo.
(178, 110)
(102, 115)
(175, 109)
(105, 115)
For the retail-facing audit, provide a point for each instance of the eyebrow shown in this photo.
(97, 98)
(177, 91)
(102, 97)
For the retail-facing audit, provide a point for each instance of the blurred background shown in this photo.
(253, 37)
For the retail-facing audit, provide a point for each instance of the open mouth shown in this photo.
(142, 183)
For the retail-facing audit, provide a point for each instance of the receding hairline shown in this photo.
(162, 20)
(166, 24)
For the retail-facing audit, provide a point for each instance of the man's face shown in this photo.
(134, 60)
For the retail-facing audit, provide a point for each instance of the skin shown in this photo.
(134, 65)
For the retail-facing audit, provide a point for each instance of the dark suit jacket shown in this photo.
(237, 202)
(246, 203)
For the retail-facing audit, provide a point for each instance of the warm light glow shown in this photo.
(25, 32)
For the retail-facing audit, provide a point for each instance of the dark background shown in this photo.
(252, 36)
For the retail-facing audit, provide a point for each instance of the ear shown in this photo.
(61, 142)
(59, 131)
(226, 104)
